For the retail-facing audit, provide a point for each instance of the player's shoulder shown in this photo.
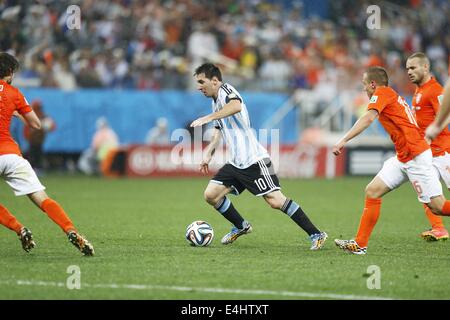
(227, 91)
(227, 88)
(435, 86)
(383, 93)
(429, 91)
(5, 86)
(9, 89)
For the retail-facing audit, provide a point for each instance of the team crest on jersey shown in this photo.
(418, 97)
(1, 87)
(373, 99)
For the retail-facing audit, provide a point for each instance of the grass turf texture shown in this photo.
(137, 228)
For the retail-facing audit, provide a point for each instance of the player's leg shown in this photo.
(438, 230)
(215, 195)
(6, 218)
(53, 210)
(9, 221)
(390, 177)
(25, 235)
(375, 190)
(259, 179)
(439, 205)
(426, 182)
(277, 200)
(223, 183)
(19, 175)
(56, 213)
(23, 180)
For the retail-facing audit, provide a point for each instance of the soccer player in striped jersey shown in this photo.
(249, 165)
(425, 104)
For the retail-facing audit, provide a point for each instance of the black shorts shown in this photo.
(259, 178)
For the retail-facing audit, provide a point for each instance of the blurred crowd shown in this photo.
(261, 44)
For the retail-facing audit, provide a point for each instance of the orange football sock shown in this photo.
(57, 214)
(368, 221)
(8, 220)
(446, 208)
(435, 221)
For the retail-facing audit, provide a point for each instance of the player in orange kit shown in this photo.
(17, 171)
(413, 160)
(442, 118)
(425, 105)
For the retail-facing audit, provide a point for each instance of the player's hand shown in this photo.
(200, 121)
(204, 168)
(431, 132)
(204, 165)
(337, 148)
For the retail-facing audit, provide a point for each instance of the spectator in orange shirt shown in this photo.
(103, 141)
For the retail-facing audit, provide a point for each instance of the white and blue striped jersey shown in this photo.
(243, 147)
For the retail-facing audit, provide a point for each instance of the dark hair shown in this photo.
(8, 64)
(378, 74)
(210, 70)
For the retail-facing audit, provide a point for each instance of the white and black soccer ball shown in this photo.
(199, 233)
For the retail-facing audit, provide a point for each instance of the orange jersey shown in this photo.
(426, 104)
(10, 100)
(398, 120)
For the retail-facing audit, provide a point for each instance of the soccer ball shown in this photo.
(199, 234)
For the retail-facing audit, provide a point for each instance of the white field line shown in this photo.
(196, 289)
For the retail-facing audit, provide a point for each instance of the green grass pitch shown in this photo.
(137, 227)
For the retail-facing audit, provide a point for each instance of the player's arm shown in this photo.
(213, 143)
(362, 124)
(442, 117)
(232, 107)
(209, 151)
(18, 116)
(25, 113)
(31, 119)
